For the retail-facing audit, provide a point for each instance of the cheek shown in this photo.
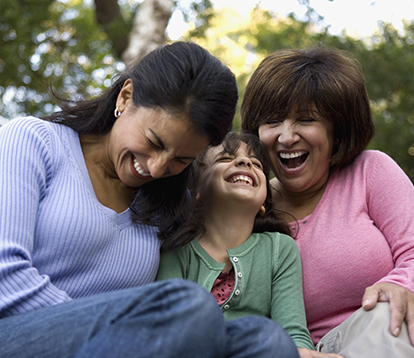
(176, 168)
(206, 184)
(263, 192)
(267, 136)
(325, 142)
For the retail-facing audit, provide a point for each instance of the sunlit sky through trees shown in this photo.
(358, 17)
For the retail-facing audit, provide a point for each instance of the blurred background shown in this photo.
(76, 46)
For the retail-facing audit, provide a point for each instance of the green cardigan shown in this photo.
(268, 279)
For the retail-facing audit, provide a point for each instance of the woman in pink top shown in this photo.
(352, 210)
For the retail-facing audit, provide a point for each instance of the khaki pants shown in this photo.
(366, 334)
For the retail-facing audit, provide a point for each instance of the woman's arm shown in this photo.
(24, 170)
(391, 206)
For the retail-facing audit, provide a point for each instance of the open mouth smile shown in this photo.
(241, 179)
(140, 170)
(293, 160)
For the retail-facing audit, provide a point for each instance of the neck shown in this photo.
(226, 228)
(94, 148)
(297, 205)
(108, 188)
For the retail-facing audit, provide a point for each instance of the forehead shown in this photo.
(174, 132)
(234, 148)
(161, 119)
(167, 124)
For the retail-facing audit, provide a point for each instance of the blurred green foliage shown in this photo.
(47, 43)
(59, 43)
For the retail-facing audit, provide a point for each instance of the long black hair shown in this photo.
(181, 78)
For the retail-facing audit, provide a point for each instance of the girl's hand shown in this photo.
(401, 305)
(307, 353)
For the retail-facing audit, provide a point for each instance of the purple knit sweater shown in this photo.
(57, 242)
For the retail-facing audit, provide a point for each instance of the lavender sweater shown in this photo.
(361, 233)
(57, 242)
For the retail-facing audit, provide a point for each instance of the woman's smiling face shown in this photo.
(300, 148)
(147, 144)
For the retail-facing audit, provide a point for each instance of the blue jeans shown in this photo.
(172, 318)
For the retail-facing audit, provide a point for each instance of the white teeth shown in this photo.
(139, 169)
(241, 179)
(291, 155)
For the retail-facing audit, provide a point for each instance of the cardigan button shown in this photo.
(240, 274)
(235, 259)
(226, 307)
(237, 292)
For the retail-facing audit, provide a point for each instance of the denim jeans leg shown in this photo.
(251, 337)
(166, 319)
(183, 321)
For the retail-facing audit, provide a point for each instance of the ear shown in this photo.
(125, 95)
(262, 211)
(198, 197)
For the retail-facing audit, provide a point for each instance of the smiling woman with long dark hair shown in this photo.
(89, 195)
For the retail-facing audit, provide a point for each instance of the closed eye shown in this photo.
(153, 144)
(183, 161)
(225, 158)
(257, 164)
(306, 119)
(274, 121)
(156, 142)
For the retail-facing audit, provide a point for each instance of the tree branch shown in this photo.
(148, 30)
(108, 15)
(107, 11)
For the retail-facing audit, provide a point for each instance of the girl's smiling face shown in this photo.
(238, 176)
(300, 149)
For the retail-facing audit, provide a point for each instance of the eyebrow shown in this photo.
(162, 145)
(251, 154)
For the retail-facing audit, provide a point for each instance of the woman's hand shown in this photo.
(401, 305)
(307, 353)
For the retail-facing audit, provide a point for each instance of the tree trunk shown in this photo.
(107, 14)
(148, 31)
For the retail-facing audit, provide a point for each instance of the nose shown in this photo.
(158, 166)
(287, 135)
(243, 162)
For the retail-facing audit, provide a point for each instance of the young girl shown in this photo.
(242, 253)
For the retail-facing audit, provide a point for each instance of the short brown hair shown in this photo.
(328, 79)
